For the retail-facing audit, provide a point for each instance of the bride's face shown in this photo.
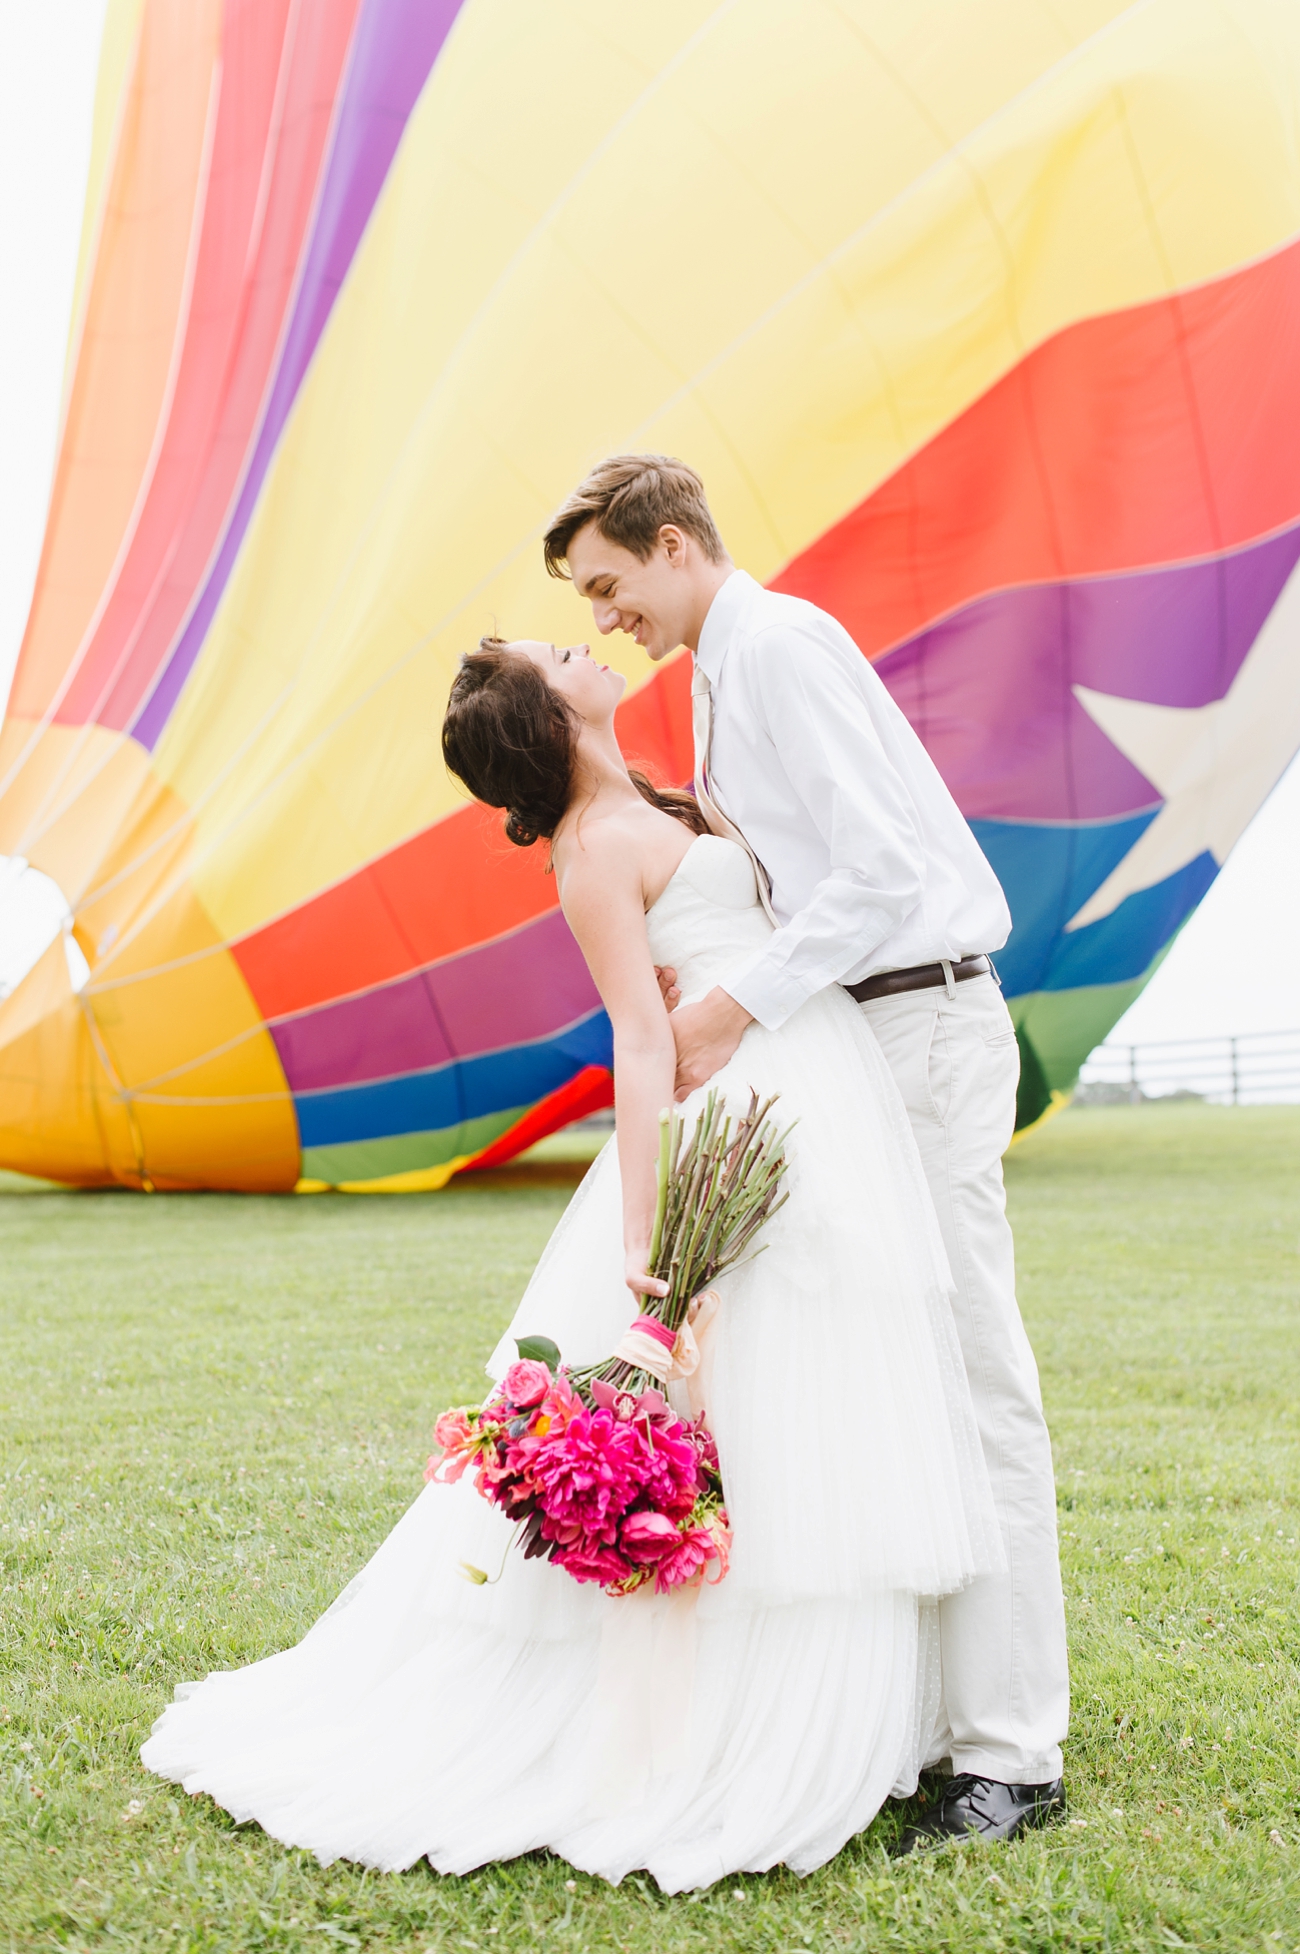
(593, 690)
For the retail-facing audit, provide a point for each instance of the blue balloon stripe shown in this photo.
(1048, 873)
(1125, 944)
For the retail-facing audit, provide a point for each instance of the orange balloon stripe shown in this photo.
(128, 345)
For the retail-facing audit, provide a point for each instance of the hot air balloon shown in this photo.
(980, 324)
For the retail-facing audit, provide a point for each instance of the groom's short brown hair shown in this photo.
(630, 498)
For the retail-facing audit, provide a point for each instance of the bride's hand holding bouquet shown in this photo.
(595, 1467)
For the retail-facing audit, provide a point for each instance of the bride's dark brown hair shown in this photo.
(513, 740)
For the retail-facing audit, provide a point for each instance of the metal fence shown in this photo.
(1254, 1068)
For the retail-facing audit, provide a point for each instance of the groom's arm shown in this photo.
(806, 696)
(809, 699)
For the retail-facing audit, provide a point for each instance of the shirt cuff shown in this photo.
(771, 994)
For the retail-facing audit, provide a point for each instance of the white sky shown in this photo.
(49, 51)
(1235, 968)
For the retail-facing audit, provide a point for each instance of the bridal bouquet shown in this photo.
(599, 1472)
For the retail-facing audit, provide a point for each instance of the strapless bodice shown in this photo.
(709, 914)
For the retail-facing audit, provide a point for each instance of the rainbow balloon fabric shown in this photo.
(982, 323)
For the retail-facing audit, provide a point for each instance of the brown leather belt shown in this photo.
(921, 977)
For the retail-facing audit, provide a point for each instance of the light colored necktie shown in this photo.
(719, 823)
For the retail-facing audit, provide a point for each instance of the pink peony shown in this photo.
(587, 1474)
(670, 1468)
(695, 1546)
(647, 1538)
(588, 1560)
(618, 1496)
(526, 1383)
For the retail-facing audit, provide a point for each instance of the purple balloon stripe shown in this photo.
(394, 47)
(990, 689)
(521, 987)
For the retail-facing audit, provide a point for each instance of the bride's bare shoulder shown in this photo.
(629, 852)
(604, 849)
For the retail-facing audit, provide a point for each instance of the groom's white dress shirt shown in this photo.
(871, 865)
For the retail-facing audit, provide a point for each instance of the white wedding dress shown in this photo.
(760, 1721)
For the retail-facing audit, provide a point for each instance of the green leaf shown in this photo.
(539, 1350)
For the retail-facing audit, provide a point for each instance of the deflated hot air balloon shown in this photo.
(979, 322)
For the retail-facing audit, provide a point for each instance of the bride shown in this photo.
(759, 1721)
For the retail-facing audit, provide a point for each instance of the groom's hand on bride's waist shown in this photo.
(707, 1034)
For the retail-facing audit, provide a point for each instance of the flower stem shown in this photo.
(661, 1195)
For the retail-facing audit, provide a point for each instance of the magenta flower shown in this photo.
(588, 1560)
(648, 1538)
(587, 1475)
(618, 1493)
(670, 1469)
(695, 1546)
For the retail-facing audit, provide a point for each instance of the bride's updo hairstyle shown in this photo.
(513, 740)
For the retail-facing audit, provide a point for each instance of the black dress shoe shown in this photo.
(982, 1808)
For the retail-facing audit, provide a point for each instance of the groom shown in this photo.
(875, 882)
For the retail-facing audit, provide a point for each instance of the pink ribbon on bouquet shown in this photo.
(669, 1355)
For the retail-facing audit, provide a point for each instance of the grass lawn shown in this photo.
(215, 1408)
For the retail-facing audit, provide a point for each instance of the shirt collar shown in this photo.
(719, 626)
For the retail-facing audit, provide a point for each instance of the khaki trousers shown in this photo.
(1005, 1674)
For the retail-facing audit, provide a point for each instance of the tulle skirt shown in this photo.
(735, 1727)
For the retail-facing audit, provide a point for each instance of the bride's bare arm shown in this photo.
(603, 902)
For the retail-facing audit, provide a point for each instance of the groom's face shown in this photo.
(650, 600)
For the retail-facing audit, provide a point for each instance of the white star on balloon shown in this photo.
(1214, 766)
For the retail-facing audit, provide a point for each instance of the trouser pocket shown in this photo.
(939, 1070)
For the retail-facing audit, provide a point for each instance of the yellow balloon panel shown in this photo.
(402, 516)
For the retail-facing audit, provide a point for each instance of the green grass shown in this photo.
(214, 1408)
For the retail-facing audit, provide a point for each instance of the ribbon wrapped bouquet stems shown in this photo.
(595, 1467)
